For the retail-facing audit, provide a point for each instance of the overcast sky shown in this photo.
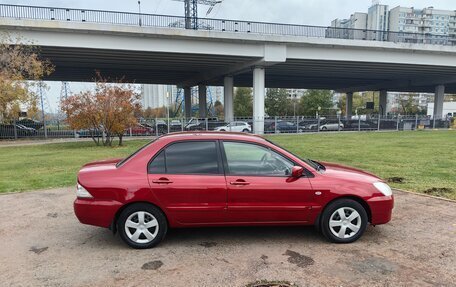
(310, 12)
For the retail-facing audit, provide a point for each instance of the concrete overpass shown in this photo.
(172, 55)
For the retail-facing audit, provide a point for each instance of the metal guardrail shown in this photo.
(222, 25)
(26, 129)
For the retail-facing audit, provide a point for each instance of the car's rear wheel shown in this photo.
(245, 130)
(142, 225)
(344, 221)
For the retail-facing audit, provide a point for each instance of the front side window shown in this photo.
(252, 159)
(192, 157)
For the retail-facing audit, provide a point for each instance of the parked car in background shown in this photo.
(139, 130)
(7, 131)
(36, 125)
(326, 125)
(175, 126)
(282, 127)
(226, 179)
(235, 127)
(196, 124)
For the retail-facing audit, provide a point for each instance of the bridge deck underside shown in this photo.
(77, 64)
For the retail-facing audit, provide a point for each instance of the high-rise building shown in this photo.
(406, 24)
(157, 96)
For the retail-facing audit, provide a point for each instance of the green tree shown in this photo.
(277, 102)
(312, 99)
(243, 102)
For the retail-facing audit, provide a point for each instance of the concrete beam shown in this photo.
(188, 102)
(228, 98)
(202, 101)
(439, 98)
(402, 84)
(258, 99)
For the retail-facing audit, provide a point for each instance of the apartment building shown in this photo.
(404, 24)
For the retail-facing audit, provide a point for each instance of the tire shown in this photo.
(151, 215)
(332, 214)
(245, 131)
(324, 128)
(222, 130)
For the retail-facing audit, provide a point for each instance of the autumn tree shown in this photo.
(109, 109)
(20, 65)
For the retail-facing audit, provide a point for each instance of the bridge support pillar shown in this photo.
(188, 102)
(348, 105)
(258, 100)
(439, 97)
(383, 101)
(228, 86)
(202, 101)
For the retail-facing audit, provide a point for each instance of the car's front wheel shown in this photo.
(344, 221)
(142, 225)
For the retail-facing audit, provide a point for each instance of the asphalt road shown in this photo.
(43, 244)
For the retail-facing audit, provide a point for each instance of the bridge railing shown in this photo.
(221, 25)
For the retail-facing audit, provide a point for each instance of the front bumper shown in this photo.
(96, 212)
(381, 209)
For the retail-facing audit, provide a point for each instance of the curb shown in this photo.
(425, 195)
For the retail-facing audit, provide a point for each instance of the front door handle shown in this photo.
(162, 181)
(239, 182)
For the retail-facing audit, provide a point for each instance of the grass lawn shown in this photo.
(424, 160)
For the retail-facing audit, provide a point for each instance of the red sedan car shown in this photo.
(226, 179)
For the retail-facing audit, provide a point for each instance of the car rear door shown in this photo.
(187, 177)
(260, 188)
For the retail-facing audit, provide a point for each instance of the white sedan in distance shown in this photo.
(235, 127)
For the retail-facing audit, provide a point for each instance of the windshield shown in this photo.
(133, 154)
(314, 164)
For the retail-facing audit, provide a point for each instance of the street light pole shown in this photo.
(40, 86)
(139, 8)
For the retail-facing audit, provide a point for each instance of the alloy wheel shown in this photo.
(345, 222)
(141, 227)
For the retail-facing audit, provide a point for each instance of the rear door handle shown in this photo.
(239, 182)
(162, 181)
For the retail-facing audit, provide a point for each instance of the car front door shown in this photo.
(187, 178)
(260, 186)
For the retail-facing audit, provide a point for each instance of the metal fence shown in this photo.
(27, 129)
(221, 25)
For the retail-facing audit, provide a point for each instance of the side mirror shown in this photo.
(296, 171)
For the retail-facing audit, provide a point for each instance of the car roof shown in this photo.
(194, 135)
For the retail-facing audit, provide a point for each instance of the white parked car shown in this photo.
(331, 126)
(327, 126)
(235, 127)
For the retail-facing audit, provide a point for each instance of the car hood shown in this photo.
(347, 172)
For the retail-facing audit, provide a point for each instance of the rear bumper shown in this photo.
(96, 212)
(381, 209)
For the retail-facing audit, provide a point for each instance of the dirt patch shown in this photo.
(152, 265)
(438, 191)
(53, 215)
(38, 250)
(264, 283)
(375, 265)
(298, 259)
(395, 179)
(208, 244)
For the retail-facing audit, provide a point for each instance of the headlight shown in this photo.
(81, 192)
(383, 188)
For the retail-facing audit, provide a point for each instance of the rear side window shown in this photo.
(157, 166)
(193, 157)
